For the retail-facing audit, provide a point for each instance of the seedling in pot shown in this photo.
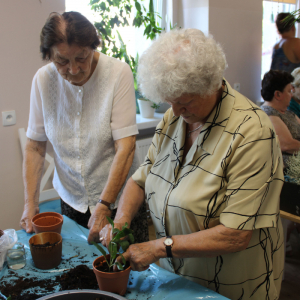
(121, 239)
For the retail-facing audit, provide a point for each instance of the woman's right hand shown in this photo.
(105, 235)
(30, 210)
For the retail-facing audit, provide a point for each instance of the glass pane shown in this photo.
(270, 36)
(132, 37)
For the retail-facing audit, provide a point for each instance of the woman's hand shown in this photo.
(97, 222)
(105, 234)
(30, 210)
(142, 255)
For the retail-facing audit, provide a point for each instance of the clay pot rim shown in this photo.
(47, 214)
(108, 273)
(51, 246)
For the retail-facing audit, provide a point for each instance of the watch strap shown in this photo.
(108, 204)
(168, 249)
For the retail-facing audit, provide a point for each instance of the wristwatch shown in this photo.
(110, 206)
(168, 242)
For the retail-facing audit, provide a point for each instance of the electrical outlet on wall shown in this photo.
(237, 86)
(9, 118)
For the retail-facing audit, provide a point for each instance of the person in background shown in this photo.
(286, 53)
(83, 102)
(295, 101)
(212, 176)
(277, 90)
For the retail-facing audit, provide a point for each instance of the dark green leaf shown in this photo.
(131, 238)
(116, 230)
(102, 6)
(123, 259)
(137, 6)
(120, 267)
(124, 245)
(101, 250)
(111, 222)
(113, 250)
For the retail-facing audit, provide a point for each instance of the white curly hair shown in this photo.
(181, 61)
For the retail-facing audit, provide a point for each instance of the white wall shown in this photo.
(20, 22)
(237, 26)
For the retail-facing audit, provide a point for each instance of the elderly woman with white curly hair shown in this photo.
(212, 176)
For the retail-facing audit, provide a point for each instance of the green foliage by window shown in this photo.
(115, 13)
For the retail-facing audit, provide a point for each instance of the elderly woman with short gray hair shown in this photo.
(212, 176)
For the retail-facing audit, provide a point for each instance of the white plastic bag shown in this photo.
(7, 241)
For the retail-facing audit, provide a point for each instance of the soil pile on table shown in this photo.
(80, 277)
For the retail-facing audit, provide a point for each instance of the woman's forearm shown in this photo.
(212, 242)
(120, 167)
(291, 146)
(130, 202)
(33, 164)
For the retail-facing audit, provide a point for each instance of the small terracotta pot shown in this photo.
(46, 257)
(114, 282)
(47, 221)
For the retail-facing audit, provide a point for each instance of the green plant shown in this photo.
(119, 240)
(293, 168)
(115, 13)
(153, 104)
(294, 15)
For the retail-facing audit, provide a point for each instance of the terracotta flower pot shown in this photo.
(47, 221)
(46, 256)
(114, 282)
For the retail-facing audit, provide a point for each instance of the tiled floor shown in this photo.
(290, 289)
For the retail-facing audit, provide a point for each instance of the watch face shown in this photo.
(168, 242)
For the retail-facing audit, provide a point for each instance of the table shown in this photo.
(154, 283)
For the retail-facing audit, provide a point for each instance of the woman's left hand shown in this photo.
(141, 255)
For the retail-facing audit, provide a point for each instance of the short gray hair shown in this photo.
(296, 75)
(181, 61)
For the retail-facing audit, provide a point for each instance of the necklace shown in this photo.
(190, 131)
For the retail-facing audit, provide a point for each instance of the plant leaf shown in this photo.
(123, 259)
(111, 222)
(113, 250)
(131, 238)
(120, 267)
(101, 250)
(124, 245)
(116, 230)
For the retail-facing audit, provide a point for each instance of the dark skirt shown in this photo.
(139, 224)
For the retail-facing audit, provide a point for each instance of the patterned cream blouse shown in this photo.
(232, 175)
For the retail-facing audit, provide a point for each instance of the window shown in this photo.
(270, 36)
(132, 37)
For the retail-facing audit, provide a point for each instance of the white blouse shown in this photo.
(82, 123)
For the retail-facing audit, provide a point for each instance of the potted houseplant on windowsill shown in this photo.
(147, 107)
(108, 280)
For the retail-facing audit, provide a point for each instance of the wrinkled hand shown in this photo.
(97, 221)
(141, 255)
(105, 234)
(30, 210)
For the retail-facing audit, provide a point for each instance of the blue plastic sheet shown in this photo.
(154, 283)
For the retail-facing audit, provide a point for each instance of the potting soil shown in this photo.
(80, 277)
